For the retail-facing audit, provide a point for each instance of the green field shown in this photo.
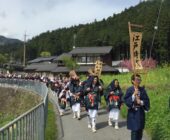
(157, 84)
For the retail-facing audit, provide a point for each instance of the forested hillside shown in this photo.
(112, 31)
(10, 49)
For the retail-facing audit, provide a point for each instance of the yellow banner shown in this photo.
(98, 68)
(135, 47)
(135, 50)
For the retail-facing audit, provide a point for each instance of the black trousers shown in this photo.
(137, 135)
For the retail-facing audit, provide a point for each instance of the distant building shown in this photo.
(84, 56)
(42, 60)
(59, 60)
(89, 55)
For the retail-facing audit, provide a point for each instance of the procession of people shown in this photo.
(86, 96)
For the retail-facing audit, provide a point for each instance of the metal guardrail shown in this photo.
(31, 124)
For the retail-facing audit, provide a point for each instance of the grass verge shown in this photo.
(51, 128)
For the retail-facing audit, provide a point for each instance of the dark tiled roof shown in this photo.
(47, 67)
(84, 69)
(32, 66)
(105, 68)
(52, 67)
(92, 50)
(41, 67)
(60, 57)
(42, 59)
(61, 70)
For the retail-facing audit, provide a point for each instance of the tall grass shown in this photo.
(157, 84)
(158, 119)
(51, 128)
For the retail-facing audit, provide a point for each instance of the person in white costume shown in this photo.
(62, 99)
(92, 102)
(114, 99)
(75, 93)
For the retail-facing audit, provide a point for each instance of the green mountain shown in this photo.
(112, 31)
(10, 49)
(8, 41)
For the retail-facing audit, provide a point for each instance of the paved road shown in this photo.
(73, 129)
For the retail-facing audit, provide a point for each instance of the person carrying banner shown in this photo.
(137, 101)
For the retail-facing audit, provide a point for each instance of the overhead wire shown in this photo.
(155, 29)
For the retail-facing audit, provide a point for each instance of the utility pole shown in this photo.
(74, 40)
(24, 53)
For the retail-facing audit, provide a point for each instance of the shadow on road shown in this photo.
(101, 125)
(122, 124)
(102, 112)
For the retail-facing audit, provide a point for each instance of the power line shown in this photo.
(155, 28)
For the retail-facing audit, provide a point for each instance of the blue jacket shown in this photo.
(118, 92)
(75, 88)
(136, 115)
(93, 90)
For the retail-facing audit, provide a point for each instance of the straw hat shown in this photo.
(91, 71)
(73, 74)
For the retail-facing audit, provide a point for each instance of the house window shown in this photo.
(96, 58)
(89, 59)
(83, 59)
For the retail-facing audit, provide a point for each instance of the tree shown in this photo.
(45, 54)
(3, 59)
(70, 63)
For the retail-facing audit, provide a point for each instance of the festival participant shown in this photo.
(62, 99)
(91, 101)
(86, 83)
(90, 76)
(114, 101)
(75, 93)
(137, 101)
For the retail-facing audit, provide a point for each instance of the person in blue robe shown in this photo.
(138, 103)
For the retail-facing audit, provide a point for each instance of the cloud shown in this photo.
(4, 31)
(3, 14)
(37, 16)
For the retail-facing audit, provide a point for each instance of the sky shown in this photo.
(37, 16)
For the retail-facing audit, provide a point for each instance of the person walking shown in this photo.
(92, 101)
(138, 103)
(114, 102)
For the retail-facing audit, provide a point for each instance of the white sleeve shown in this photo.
(133, 98)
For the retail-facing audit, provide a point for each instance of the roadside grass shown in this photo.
(51, 127)
(14, 102)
